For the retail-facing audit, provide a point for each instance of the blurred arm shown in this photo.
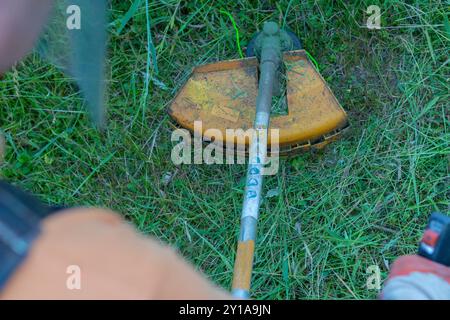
(21, 21)
(115, 262)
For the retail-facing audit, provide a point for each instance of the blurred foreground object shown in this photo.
(75, 41)
(94, 254)
(86, 254)
(427, 276)
(20, 24)
(20, 214)
(416, 278)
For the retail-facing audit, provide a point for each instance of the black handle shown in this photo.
(435, 243)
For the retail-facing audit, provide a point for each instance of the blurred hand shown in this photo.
(114, 261)
(414, 277)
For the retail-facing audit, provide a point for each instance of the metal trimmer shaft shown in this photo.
(270, 45)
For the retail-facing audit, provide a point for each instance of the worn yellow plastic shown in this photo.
(223, 96)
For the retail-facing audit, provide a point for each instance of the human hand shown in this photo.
(113, 260)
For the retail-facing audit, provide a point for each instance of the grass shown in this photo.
(363, 201)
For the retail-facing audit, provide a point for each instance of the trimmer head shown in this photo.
(223, 95)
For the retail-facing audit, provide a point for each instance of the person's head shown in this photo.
(21, 21)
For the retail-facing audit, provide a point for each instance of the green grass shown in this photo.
(362, 201)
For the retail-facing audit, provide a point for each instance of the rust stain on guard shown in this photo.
(243, 266)
(223, 96)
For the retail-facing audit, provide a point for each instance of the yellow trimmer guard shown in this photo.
(222, 96)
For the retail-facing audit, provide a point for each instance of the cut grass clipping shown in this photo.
(326, 217)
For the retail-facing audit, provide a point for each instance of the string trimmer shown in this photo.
(222, 96)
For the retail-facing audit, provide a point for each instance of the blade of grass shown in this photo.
(236, 30)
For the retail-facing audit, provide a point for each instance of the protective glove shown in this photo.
(110, 259)
(416, 278)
